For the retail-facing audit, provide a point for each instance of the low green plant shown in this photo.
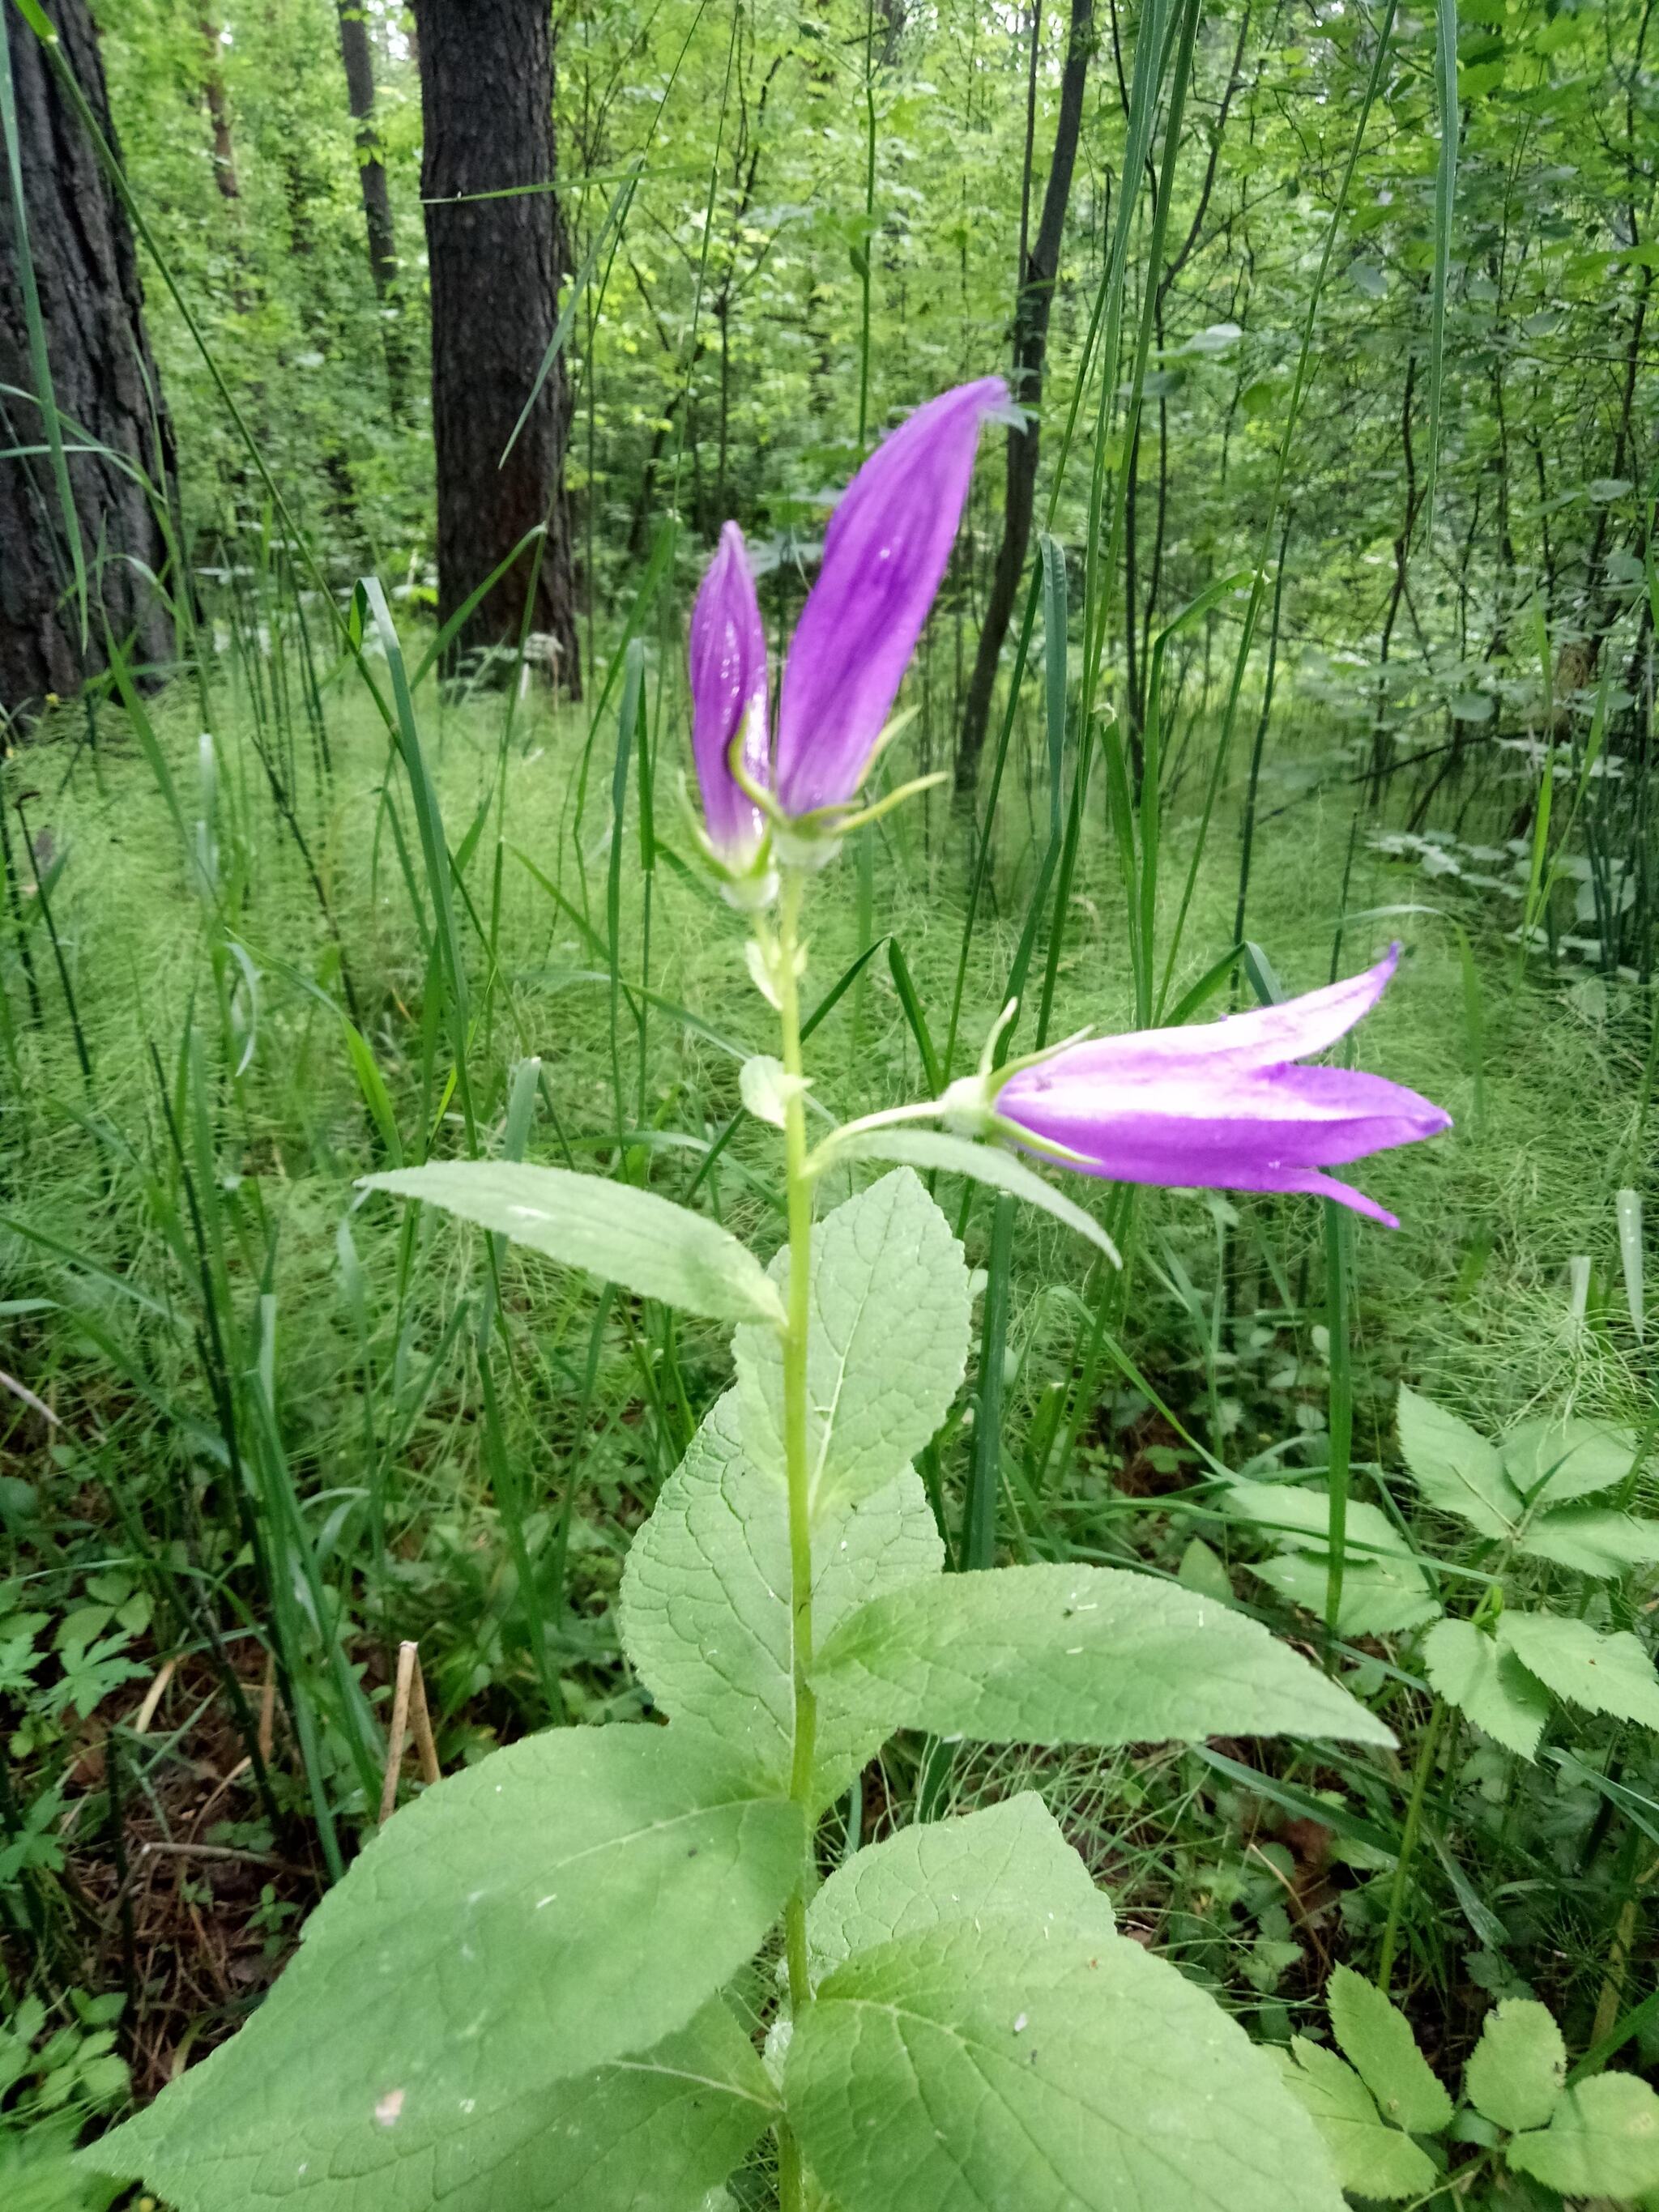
(1394, 2131)
(54, 2078)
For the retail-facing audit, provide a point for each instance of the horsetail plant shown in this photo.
(521, 1994)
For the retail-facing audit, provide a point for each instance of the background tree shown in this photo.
(487, 103)
(1039, 269)
(79, 537)
(359, 62)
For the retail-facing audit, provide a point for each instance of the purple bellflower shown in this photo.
(728, 697)
(884, 555)
(1218, 1106)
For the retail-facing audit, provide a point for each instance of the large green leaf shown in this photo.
(1376, 2038)
(1602, 2140)
(1473, 1672)
(1078, 1655)
(1010, 1857)
(1559, 1459)
(569, 1901)
(1603, 1673)
(610, 1229)
(890, 1316)
(1592, 1540)
(1454, 1467)
(997, 2064)
(1515, 2071)
(1371, 2159)
(664, 2128)
(705, 1597)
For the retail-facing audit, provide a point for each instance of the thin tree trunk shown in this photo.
(103, 380)
(359, 61)
(487, 103)
(1032, 304)
(218, 108)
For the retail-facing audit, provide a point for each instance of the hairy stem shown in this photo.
(798, 1191)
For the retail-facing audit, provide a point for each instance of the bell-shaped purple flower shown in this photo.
(728, 694)
(885, 554)
(1220, 1105)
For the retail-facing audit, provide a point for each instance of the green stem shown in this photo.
(798, 1193)
(1408, 1842)
(1341, 1411)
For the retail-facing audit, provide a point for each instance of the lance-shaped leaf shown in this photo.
(1078, 1655)
(1603, 1673)
(569, 1901)
(1010, 1857)
(705, 1597)
(1473, 1672)
(665, 2127)
(1376, 2038)
(1371, 2159)
(995, 2063)
(1602, 2140)
(887, 1344)
(610, 1229)
(1455, 1468)
(936, 1150)
(1515, 2071)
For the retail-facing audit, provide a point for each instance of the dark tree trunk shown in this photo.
(359, 62)
(104, 383)
(487, 100)
(1032, 302)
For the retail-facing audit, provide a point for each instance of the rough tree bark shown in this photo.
(359, 62)
(74, 236)
(1039, 266)
(487, 101)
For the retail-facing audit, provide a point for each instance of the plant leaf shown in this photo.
(1042, 2068)
(936, 1149)
(1377, 2038)
(1569, 1458)
(1371, 2158)
(1602, 2140)
(1379, 1596)
(665, 2127)
(1473, 1672)
(1078, 1655)
(705, 1597)
(571, 1900)
(1592, 1540)
(1454, 1467)
(1603, 1673)
(611, 1230)
(1011, 1858)
(1300, 1519)
(888, 1344)
(1515, 2071)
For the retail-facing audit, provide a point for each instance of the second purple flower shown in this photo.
(884, 555)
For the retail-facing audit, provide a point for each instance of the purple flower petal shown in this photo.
(1219, 1107)
(728, 692)
(884, 553)
(1266, 1038)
